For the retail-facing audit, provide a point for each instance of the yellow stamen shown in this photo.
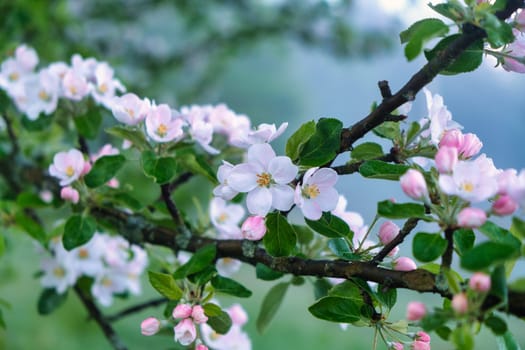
(311, 191)
(14, 76)
(59, 272)
(83, 253)
(73, 90)
(130, 112)
(264, 179)
(70, 171)
(162, 130)
(103, 88)
(44, 96)
(467, 187)
(106, 282)
(222, 218)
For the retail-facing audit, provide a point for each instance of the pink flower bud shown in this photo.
(416, 310)
(419, 345)
(460, 303)
(113, 183)
(446, 159)
(504, 206)
(185, 332)
(253, 228)
(86, 169)
(197, 313)
(393, 252)
(388, 231)
(423, 336)
(201, 347)
(150, 326)
(238, 315)
(471, 217)
(46, 196)
(451, 138)
(413, 184)
(404, 264)
(480, 282)
(470, 146)
(182, 311)
(396, 346)
(520, 20)
(69, 194)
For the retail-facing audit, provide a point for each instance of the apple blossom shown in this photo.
(413, 184)
(201, 347)
(422, 336)
(162, 125)
(197, 314)
(520, 20)
(504, 206)
(446, 159)
(182, 311)
(419, 345)
(317, 193)
(226, 217)
(227, 266)
(452, 138)
(460, 303)
(264, 133)
(41, 94)
(516, 49)
(67, 166)
(235, 339)
(388, 231)
(238, 315)
(150, 326)
(265, 178)
(396, 346)
(416, 310)
(471, 217)
(130, 109)
(106, 284)
(59, 274)
(68, 193)
(105, 85)
(404, 264)
(253, 228)
(470, 146)
(439, 117)
(480, 282)
(185, 332)
(224, 190)
(74, 85)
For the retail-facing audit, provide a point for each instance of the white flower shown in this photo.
(226, 217)
(106, 285)
(265, 133)
(88, 257)
(67, 166)
(74, 85)
(228, 266)
(224, 190)
(439, 116)
(353, 219)
(105, 85)
(42, 93)
(58, 273)
(265, 178)
(317, 192)
(130, 109)
(235, 339)
(162, 125)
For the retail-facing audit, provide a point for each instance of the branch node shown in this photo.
(385, 89)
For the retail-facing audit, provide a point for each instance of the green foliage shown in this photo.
(322, 147)
(220, 323)
(161, 169)
(463, 338)
(88, 124)
(336, 309)
(496, 324)
(30, 226)
(341, 248)
(165, 284)
(196, 164)
(377, 169)
(467, 61)
(463, 240)
(271, 303)
(390, 210)
(419, 33)
(367, 151)
(296, 142)
(78, 230)
(427, 247)
(198, 262)
(498, 32)
(388, 130)
(486, 254)
(49, 301)
(229, 286)
(265, 273)
(104, 169)
(331, 226)
(507, 342)
(135, 136)
(280, 238)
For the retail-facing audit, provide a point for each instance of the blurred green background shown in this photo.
(273, 60)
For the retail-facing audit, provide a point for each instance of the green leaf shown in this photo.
(323, 145)
(229, 286)
(507, 342)
(486, 254)
(265, 273)
(498, 234)
(467, 61)
(198, 262)
(165, 284)
(104, 169)
(335, 309)
(390, 210)
(271, 303)
(463, 240)
(341, 248)
(2, 322)
(211, 309)
(436, 319)
(388, 130)
(30, 226)
(452, 10)
(202, 277)
(498, 32)
(296, 142)
(518, 227)
(387, 296)
(496, 325)
(498, 285)
(280, 238)
(412, 132)
(348, 290)
(161, 169)
(444, 332)
(419, 33)
(321, 287)
(331, 226)
(30, 200)
(195, 164)
(88, 124)
(78, 231)
(427, 247)
(462, 337)
(2, 245)
(304, 234)
(220, 323)
(367, 151)
(41, 123)
(50, 300)
(377, 169)
(135, 136)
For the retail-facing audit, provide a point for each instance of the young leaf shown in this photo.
(296, 142)
(340, 247)
(321, 288)
(335, 309)
(136, 136)
(104, 169)
(419, 33)
(161, 169)
(331, 226)
(377, 169)
(265, 273)
(87, 125)
(463, 240)
(467, 61)
(496, 325)
(30, 226)
(271, 303)
(50, 300)
(198, 262)
(323, 145)
(427, 247)
(211, 309)
(390, 210)
(486, 254)
(387, 296)
(165, 284)
(348, 290)
(220, 323)
(498, 234)
(196, 164)
(498, 32)
(2, 322)
(507, 342)
(229, 286)
(280, 238)
(367, 151)
(498, 283)
(462, 337)
(78, 231)
(518, 227)
(388, 130)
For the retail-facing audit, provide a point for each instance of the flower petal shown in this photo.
(324, 177)
(282, 197)
(261, 153)
(327, 199)
(282, 170)
(259, 201)
(311, 210)
(243, 177)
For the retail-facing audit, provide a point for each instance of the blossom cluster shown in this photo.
(114, 265)
(513, 58)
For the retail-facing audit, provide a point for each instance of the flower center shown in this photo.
(43, 96)
(59, 272)
(73, 90)
(70, 171)
(14, 76)
(311, 191)
(467, 187)
(162, 130)
(130, 112)
(264, 179)
(103, 88)
(222, 218)
(106, 282)
(83, 253)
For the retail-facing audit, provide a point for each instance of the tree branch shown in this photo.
(136, 308)
(410, 224)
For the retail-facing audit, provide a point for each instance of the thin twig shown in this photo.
(446, 259)
(15, 148)
(410, 224)
(170, 204)
(136, 308)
